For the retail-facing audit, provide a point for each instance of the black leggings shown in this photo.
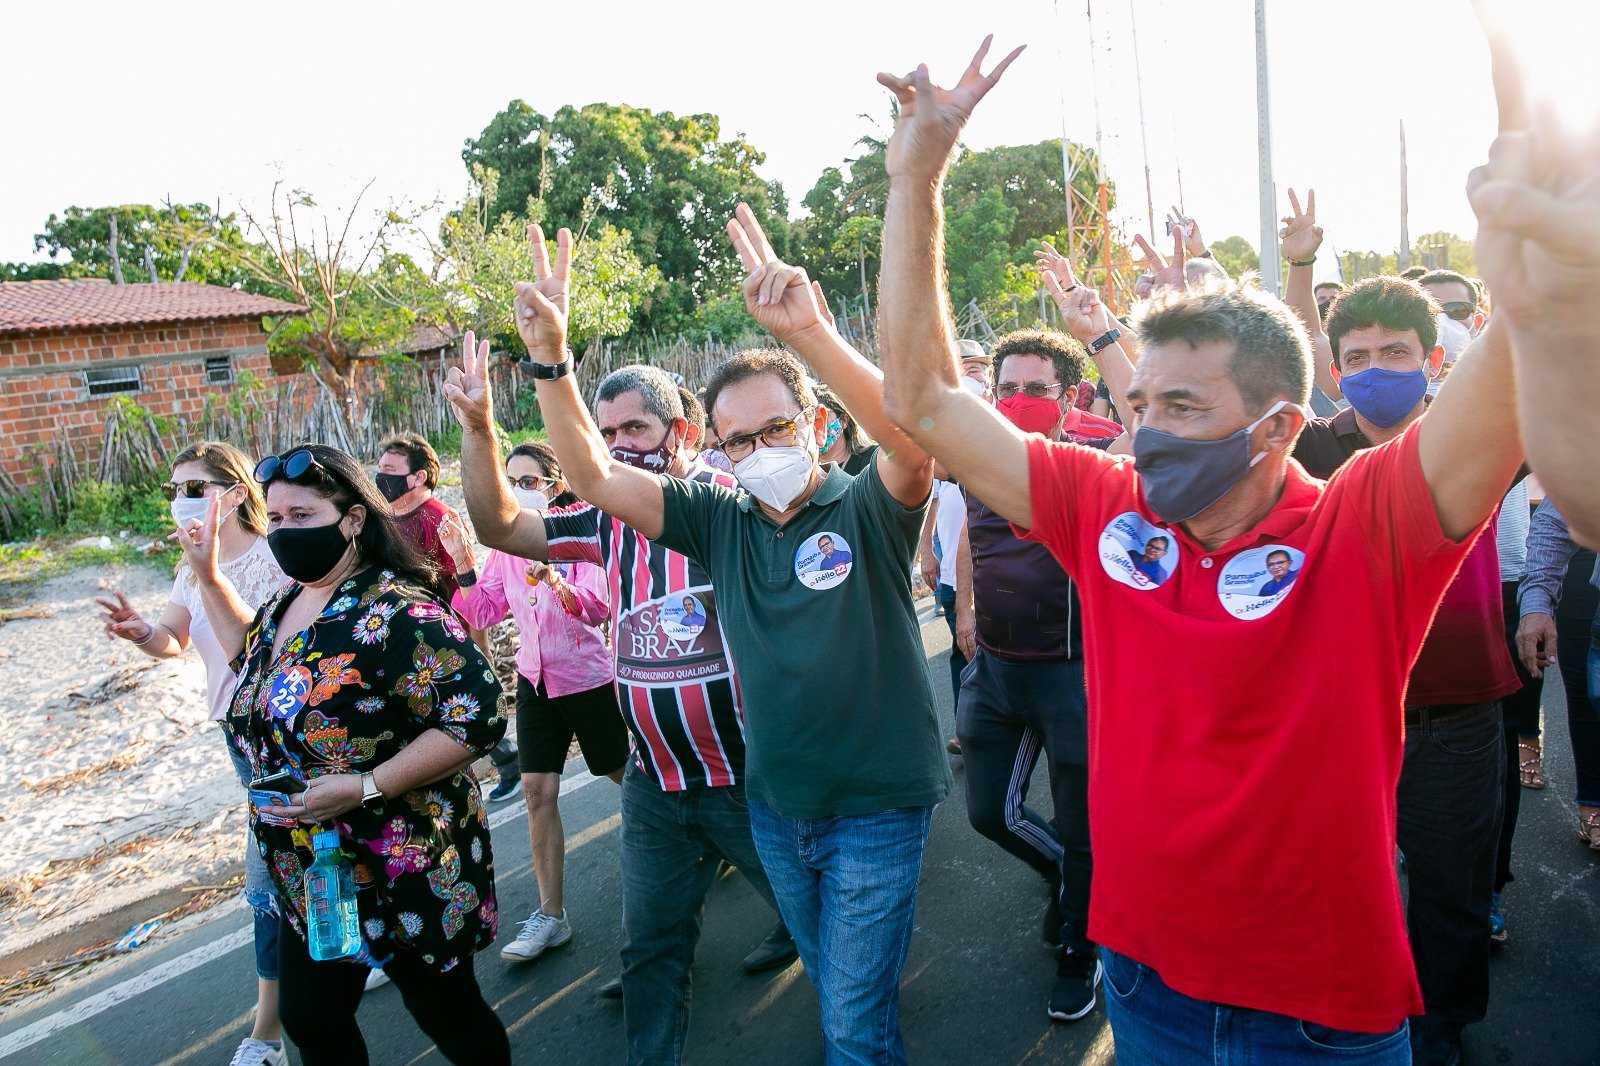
(318, 1001)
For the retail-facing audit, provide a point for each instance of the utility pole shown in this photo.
(1271, 267)
(1144, 141)
(1403, 260)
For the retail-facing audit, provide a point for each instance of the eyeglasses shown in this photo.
(531, 482)
(1457, 310)
(290, 466)
(780, 434)
(190, 490)
(1033, 391)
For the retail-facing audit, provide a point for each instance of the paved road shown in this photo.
(974, 988)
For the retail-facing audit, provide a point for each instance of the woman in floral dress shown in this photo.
(355, 680)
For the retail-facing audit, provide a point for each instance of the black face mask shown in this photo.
(393, 486)
(308, 553)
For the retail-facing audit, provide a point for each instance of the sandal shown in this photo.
(1531, 753)
(1589, 826)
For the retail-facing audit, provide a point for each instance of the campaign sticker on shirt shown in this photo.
(288, 692)
(823, 561)
(1137, 553)
(682, 617)
(1253, 583)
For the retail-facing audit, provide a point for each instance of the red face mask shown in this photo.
(1030, 415)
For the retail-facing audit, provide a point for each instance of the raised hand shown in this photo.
(467, 386)
(1193, 243)
(931, 117)
(1301, 236)
(199, 539)
(457, 542)
(777, 295)
(540, 310)
(1082, 313)
(121, 620)
(1163, 272)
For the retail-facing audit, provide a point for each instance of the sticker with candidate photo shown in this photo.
(682, 617)
(1253, 583)
(823, 561)
(1137, 553)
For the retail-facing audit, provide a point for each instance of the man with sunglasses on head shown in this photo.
(683, 804)
(845, 764)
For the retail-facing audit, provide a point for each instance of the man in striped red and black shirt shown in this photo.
(683, 804)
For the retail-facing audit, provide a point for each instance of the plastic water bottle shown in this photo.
(333, 931)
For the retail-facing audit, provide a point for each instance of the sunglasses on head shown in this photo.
(1457, 310)
(190, 490)
(290, 466)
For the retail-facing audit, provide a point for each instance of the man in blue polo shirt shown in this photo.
(842, 782)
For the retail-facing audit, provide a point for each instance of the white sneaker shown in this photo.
(376, 978)
(538, 933)
(253, 1052)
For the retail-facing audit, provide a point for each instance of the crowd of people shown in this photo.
(1293, 486)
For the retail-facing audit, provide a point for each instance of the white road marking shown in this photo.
(172, 969)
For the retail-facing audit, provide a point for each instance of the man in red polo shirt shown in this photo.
(1244, 748)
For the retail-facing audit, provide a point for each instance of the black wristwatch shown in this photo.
(466, 579)
(1104, 341)
(547, 371)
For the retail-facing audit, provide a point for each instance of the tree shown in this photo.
(671, 182)
(1445, 251)
(978, 250)
(477, 263)
(348, 316)
(138, 242)
(1235, 255)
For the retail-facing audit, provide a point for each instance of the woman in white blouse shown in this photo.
(222, 525)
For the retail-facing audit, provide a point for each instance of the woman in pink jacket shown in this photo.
(564, 677)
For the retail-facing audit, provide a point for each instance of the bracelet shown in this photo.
(1302, 262)
(467, 578)
(1068, 289)
(147, 638)
(1207, 254)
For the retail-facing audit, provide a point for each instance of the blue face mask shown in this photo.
(1384, 397)
(1180, 477)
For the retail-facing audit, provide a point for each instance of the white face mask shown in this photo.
(1454, 336)
(775, 476)
(974, 386)
(184, 510)
(531, 499)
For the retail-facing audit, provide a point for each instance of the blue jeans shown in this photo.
(847, 888)
(1155, 1026)
(257, 883)
(671, 844)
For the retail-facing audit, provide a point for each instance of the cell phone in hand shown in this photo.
(267, 793)
(284, 782)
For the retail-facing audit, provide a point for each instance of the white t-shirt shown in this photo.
(947, 525)
(256, 576)
(1511, 532)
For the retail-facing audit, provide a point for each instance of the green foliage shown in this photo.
(107, 509)
(1445, 251)
(978, 248)
(671, 182)
(78, 242)
(723, 319)
(1235, 255)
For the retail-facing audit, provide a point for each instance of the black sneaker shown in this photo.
(1077, 975)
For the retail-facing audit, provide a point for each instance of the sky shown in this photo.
(134, 103)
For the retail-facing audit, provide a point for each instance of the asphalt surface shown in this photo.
(973, 990)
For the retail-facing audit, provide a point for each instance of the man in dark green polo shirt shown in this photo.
(813, 575)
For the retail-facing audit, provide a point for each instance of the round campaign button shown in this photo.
(682, 617)
(1137, 553)
(1254, 583)
(823, 561)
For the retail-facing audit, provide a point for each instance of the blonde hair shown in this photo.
(226, 463)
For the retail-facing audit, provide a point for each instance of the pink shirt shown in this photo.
(560, 643)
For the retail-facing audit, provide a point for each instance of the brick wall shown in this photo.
(43, 393)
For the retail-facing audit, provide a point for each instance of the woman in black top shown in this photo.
(357, 682)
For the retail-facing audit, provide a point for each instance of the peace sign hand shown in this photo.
(1193, 243)
(1301, 236)
(540, 310)
(777, 295)
(121, 620)
(467, 386)
(1082, 313)
(1161, 271)
(931, 117)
